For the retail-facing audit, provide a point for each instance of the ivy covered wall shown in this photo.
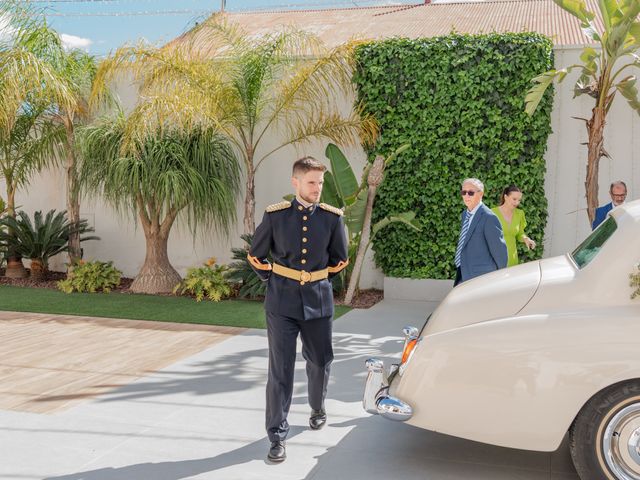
(458, 101)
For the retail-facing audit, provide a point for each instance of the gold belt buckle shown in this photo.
(304, 277)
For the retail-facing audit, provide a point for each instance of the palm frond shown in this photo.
(43, 237)
(172, 171)
(351, 129)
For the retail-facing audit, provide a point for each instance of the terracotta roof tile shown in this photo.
(335, 26)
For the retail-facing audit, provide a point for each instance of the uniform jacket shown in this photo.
(484, 249)
(601, 214)
(301, 238)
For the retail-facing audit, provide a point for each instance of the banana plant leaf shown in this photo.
(330, 193)
(345, 180)
(354, 213)
(408, 218)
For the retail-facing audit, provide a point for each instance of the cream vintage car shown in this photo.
(520, 356)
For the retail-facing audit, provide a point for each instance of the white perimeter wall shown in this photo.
(567, 225)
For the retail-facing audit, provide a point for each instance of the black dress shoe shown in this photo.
(277, 452)
(317, 419)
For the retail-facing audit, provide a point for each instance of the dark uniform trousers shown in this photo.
(306, 239)
(317, 350)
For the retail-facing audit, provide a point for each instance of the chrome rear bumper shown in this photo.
(376, 398)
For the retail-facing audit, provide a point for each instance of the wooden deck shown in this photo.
(51, 362)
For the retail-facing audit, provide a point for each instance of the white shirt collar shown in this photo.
(473, 212)
(303, 203)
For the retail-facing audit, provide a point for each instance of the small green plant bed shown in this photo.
(232, 313)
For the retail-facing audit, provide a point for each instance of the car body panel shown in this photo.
(518, 383)
(511, 357)
(478, 298)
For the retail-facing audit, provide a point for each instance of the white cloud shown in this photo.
(71, 41)
(6, 31)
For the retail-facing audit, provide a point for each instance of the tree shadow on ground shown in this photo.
(376, 448)
(227, 373)
(176, 470)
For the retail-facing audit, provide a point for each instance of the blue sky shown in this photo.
(100, 26)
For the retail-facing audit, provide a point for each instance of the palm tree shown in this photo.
(30, 145)
(75, 70)
(600, 74)
(284, 85)
(26, 71)
(29, 84)
(194, 175)
(78, 69)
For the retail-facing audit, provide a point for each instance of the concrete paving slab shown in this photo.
(203, 418)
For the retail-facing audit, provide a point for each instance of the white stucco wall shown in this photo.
(122, 241)
(564, 186)
(566, 158)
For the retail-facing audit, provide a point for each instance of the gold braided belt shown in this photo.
(300, 275)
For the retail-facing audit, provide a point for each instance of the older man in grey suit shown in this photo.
(481, 246)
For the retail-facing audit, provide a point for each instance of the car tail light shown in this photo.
(408, 348)
(410, 341)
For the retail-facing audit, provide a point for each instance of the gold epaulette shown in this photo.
(278, 206)
(332, 209)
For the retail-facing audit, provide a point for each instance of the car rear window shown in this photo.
(593, 243)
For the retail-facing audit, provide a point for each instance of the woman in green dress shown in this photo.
(513, 222)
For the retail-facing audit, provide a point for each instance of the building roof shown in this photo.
(335, 26)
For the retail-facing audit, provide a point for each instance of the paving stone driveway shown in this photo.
(202, 417)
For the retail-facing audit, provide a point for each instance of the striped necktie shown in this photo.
(463, 235)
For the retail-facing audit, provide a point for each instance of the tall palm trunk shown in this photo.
(15, 267)
(156, 275)
(73, 200)
(250, 196)
(11, 198)
(374, 179)
(595, 130)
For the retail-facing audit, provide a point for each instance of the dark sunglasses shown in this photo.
(471, 193)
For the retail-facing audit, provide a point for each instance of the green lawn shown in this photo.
(236, 313)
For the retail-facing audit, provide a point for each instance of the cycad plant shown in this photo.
(40, 239)
(240, 272)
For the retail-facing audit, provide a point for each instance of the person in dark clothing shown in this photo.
(308, 245)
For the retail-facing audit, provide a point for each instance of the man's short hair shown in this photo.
(475, 182)
(307, 164)
(617, 183)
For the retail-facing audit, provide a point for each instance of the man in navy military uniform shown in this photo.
(308, 245)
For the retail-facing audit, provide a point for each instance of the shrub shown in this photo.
(206, 281)
(634, 282)
(240, 271)
(458, 101)
(91, 277)
(3, 248)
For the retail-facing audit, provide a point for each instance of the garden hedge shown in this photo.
(458, 100)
